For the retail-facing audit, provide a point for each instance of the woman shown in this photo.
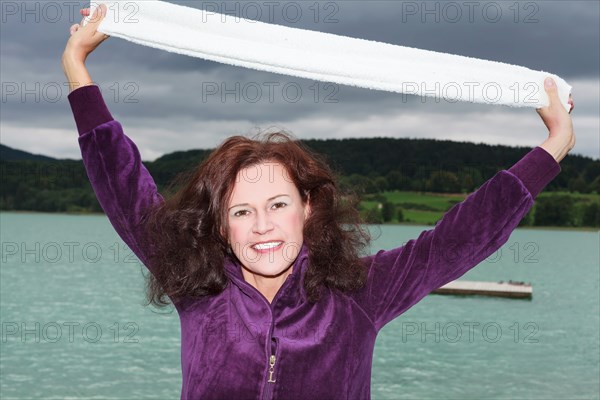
(273, 299)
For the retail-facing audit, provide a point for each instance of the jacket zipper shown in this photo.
(271, 371)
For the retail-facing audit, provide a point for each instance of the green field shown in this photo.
(439, 201)
(417, 207)
(427, 208)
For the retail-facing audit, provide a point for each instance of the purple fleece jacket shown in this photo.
(322, 350)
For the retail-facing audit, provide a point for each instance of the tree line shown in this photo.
(365, 167)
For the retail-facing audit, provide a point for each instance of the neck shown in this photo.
(268, 286)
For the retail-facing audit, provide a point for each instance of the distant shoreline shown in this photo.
(546, 228)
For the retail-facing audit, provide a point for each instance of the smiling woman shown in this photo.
(259, 252)
(256, 201)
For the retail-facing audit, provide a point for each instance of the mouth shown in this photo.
(266, 247)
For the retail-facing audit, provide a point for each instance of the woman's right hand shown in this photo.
(84, 39)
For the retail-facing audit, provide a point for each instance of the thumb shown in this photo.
(552, 91)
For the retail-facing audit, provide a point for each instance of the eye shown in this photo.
(240, 213)
(279, 204)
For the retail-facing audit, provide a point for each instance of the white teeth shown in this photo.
(266, 246)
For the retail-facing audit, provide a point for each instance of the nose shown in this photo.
(262, 223)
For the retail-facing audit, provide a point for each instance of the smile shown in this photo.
(267, 246)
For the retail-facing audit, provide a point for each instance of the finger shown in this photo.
(571, 103)
(98, 15)
(74, 28)
(85, 12)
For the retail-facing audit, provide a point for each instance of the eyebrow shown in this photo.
(269, 199)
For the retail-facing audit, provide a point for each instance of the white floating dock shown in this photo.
(498, 289)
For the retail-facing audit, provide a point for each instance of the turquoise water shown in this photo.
(73, 324)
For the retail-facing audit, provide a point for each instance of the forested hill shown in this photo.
(383, 155)
(10, 154)
(413, 161)
(367, 166)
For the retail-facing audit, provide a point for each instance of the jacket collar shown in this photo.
(292, 289)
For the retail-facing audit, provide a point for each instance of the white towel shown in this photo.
(324, 56)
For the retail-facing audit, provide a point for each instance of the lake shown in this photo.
(74, 324)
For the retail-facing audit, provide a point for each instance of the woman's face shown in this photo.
(266, 217)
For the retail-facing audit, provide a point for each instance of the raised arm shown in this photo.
(122, 184)
(470, 231)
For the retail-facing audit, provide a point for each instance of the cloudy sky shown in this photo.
(168, 102)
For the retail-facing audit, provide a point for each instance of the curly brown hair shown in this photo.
(188, 232)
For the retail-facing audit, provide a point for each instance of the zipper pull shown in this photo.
(271, 368)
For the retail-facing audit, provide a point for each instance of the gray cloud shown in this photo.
(173, 102)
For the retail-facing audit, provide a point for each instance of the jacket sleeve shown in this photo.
(122, 184)
(466, 235)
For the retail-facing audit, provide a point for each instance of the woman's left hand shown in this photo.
(561, 138)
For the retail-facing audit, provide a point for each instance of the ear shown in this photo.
(307, 209)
